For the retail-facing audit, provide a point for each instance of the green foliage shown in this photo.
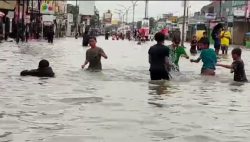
(139, 24)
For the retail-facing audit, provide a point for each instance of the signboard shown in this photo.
(47, 7)
(167, 15)
(230, 19)
(48, 18)
(173, 18)
(210, 16)
(239, 11)
(107, 17)
(238, 3)
(87, 7)
(115, 22)
(70, 17)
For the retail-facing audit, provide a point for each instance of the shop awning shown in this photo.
(8, 4)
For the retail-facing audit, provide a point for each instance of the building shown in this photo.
(234, 13)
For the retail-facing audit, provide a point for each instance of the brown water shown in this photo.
(118, 104)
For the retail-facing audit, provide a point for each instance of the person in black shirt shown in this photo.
(158, 59)
(237, 66)
(43, 70)
(193, 45)
(203, 38)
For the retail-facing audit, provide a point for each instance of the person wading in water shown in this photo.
(158, 59)
(93, 56)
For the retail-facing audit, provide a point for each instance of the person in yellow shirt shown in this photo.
(225, 38)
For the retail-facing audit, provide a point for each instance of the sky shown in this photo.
(155, 8)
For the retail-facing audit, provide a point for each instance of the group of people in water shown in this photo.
(162, 59)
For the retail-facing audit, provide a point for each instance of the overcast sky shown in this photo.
(155, 8)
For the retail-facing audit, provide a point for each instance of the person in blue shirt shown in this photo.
(208, 57)
(216, 37)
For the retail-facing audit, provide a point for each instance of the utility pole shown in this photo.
(184, 23)
(146, 9)
(220, 9)
(134, 4)
(18, 18)
(77, 9)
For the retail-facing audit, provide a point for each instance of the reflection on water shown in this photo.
(119, 103)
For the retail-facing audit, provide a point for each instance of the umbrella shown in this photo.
(2, 14)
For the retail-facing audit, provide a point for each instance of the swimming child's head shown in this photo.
(204, 34)
(236, 53)
(204, 43)
(92, 41)
(43, 64)
(160, 37)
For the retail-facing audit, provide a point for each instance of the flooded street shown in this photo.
(118, 104)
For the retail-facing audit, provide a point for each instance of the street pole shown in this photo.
(76, 34)
(17, 26)
(220, 9)
(23, 21)
(146, 9)
(134, 4)
(184, 23)
(126, 11)
(31, 18)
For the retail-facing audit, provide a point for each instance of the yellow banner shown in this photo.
(47, 7)
(173, 18)
(114, 22)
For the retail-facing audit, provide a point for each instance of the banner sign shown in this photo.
(107, 17)
(47, 7)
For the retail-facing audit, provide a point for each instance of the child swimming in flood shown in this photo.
(208, 57)
(237, 66)
(175, 52)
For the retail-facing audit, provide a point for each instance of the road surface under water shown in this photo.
(119, 104)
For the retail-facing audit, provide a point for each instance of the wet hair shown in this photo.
(204, 33)
(236, 51)
(217, 27)
(159, 37)
(194, 36)
(204, 41)
(92, 37)
(43, 64)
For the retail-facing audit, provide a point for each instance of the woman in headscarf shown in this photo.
(216, 37)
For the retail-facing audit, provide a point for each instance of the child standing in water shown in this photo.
(193, 45)
(237, 66)
(175, 52)
(208, 57)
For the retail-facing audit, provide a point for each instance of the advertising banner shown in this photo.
(47, 7)
(115, 22)
(87, 7)
(210, 16)
(107, 17)
(167, 15)
(239, 11)
(173, 18)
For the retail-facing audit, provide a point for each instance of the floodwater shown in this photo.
(119, 104)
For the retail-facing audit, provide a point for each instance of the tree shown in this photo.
(152, 23)
(73, 10)
(94, 21)
(139, 24)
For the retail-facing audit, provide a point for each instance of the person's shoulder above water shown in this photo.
(43, 70)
